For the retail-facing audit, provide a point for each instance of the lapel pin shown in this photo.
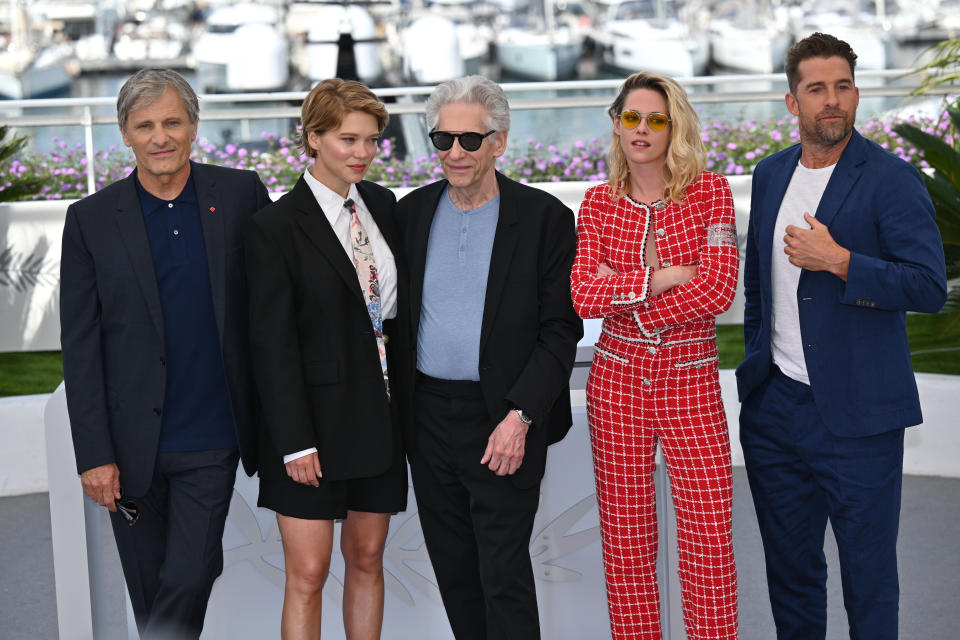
(212, 209)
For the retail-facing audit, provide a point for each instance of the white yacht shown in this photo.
(536, 47)
(242, 49)
(863, 29)
(157, 40)
(29, 69)
(746, 37)
(431, 51)
(322, 34)
(646, 35)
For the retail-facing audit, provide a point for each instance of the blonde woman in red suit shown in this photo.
(657, 260)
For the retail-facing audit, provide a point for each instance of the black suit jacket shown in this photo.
(315, 354)
(112, 325)
(529, 331)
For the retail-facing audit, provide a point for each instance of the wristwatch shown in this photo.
(524, 418)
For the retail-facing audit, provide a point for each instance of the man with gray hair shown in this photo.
(153, 316)
(496, 337)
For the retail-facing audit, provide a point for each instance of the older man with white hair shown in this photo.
(496, 336)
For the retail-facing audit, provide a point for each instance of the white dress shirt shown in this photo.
(339, 219)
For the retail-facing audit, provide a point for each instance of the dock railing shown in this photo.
(89, 112)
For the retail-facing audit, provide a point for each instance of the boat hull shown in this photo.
(539, 60)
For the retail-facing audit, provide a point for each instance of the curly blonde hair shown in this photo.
(686, 156)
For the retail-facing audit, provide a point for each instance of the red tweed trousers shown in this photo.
(638, 395)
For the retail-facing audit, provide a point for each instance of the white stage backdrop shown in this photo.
(247, 599)
(565, 550)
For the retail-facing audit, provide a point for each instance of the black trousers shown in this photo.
(476, 525)
(174, 552)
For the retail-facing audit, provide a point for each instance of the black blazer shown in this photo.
(529, 331)
(315, 355)
(111, 322)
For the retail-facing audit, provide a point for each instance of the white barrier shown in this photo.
(246, 600)
(30, 238)
(565, 547)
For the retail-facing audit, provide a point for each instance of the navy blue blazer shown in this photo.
(854, 332)
(111, 322)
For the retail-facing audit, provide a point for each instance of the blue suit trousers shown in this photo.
(800, 476)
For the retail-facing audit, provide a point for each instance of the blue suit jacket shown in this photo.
(111, 322)
(854, 332)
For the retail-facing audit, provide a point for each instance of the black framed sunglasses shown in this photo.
(469, 140)
(656, 121)
(128, 509)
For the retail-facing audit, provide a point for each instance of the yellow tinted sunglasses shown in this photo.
(656, 121)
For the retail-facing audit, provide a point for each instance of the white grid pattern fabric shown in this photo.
(698, 231)
(654, 378)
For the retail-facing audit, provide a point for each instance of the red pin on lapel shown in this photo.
(212, 209)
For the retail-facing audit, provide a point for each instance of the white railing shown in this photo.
(88, 112)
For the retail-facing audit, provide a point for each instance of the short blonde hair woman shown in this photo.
(324, 293)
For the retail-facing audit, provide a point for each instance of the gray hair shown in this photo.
(473, 90)
(147, 85)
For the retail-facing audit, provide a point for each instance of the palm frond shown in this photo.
(9, 148)
(942, 69)
(20, 187)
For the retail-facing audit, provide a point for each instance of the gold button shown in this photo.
(386, 338)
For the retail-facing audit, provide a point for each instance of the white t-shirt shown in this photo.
(803, 196)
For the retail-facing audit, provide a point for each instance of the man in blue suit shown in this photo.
(842, 242)
(153, 314)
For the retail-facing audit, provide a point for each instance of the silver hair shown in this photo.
(473, 90)
(147, 85)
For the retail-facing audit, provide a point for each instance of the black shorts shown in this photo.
(385, 493)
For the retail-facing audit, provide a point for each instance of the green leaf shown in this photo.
(12, 147)
(936, 152)
(942, 68)
(953, 110)
(19, 189)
